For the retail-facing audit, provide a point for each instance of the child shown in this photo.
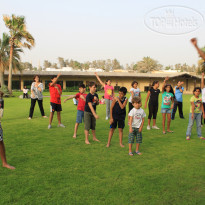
(109, 94)
(81, 96)
(117, 115)
(137, 116)
(102, 101)
(135, 92)
(167, 105)
(2, 147)
(178, 92)
(203, 94)
(153, 96)
(195, 113)
(25, 92)
(55, 100)
(90, 115)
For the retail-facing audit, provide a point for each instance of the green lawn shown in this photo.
(54, 168)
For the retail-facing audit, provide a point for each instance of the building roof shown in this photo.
(105, 74)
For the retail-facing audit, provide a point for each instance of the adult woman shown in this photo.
(109, 94)
(36, 94)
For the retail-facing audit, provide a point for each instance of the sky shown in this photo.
(104, 29)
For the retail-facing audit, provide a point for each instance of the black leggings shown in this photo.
(40, 104)
(153, 109)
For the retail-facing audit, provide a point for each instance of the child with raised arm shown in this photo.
(55, 100)
(203, 94)
(196, 109)
(109, 94)
(90, 115)
(137, 116)
(153, 96)
(167, 105)
(117, 115)
(2, 147)
(81, 96)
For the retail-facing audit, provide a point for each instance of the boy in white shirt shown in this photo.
(136, 121)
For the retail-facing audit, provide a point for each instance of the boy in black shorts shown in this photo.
(55, 100)
(2, 147)
(90, 115)
(117, 115)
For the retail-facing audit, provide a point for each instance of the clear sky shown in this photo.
(101, 29)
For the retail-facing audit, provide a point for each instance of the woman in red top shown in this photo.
(109, 94)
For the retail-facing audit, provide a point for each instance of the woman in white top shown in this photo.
(36, 94)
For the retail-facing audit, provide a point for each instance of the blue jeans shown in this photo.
(197, 117)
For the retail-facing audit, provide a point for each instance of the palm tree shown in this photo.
(4, 57)
(19, 37)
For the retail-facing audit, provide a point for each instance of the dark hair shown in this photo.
(171, 89)
(155, 82)
(123, 89)
(197, 88)
(35, 77)
(107, 81)
(82, 86)
(91, 84)
(53, 76)
(134, 83)
(103, 96)
(136, 100)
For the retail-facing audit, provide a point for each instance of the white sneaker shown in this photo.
(45, 116)
(155, 127)
(61, 125)
(106, 118)
(29, 118)
(148, 127)
(49, 126)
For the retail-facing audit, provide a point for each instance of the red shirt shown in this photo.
(55, 96)
(81, 102)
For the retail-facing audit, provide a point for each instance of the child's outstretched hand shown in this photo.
(194, 41)
(167, 78)
(65, 100)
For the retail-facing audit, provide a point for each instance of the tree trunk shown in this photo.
(10, 69)
(1, 77)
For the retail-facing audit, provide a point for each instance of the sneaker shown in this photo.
(148, 127)
(29, 118)
(61, 125)
(106, 118)
(187, 138)
(155, 127)
(202, 138)
(49, 126)
(45, 116)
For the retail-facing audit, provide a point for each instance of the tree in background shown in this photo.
(19, 37)
(5, 58)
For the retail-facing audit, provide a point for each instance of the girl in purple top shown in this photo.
(109, 94)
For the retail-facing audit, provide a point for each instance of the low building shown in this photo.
(71, 79)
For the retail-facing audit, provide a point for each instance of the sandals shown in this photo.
(130, 153)
(187, 138)
(138, 153)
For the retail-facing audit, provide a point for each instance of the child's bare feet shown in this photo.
(95, 139)
(74, 136)
(170, 131)
(87, 142)
(108, 145)
(121, 145)
(8, 166)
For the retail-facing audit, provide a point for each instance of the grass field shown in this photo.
(54, 168)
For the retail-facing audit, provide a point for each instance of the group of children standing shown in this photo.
(116, 109)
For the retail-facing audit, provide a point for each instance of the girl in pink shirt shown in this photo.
(109, 94)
